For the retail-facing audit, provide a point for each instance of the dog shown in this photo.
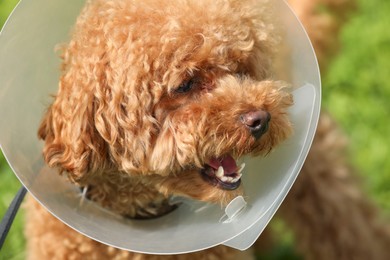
(161, 98)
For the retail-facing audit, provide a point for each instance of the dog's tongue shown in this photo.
(227, 162)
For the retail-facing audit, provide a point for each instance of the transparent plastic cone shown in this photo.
(29, 72)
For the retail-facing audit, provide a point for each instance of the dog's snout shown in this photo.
(257, 122)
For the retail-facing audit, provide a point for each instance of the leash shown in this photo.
(9, 216)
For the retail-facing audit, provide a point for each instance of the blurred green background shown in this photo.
(356, 91)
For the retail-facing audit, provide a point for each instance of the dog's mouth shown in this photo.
(223, 172)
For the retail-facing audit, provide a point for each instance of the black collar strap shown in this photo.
(9, 216)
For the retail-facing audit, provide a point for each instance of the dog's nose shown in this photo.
(256, 121)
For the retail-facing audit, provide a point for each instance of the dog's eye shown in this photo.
(185, 86)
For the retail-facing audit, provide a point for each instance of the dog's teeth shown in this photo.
(237, 178)
(220, 172)
(241, 168)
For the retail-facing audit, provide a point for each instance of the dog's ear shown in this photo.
(72, 143)
(101, 117)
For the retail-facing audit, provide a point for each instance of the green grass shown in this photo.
(356, 91)
(6, 6)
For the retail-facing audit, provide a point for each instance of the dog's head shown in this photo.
(174, 91)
